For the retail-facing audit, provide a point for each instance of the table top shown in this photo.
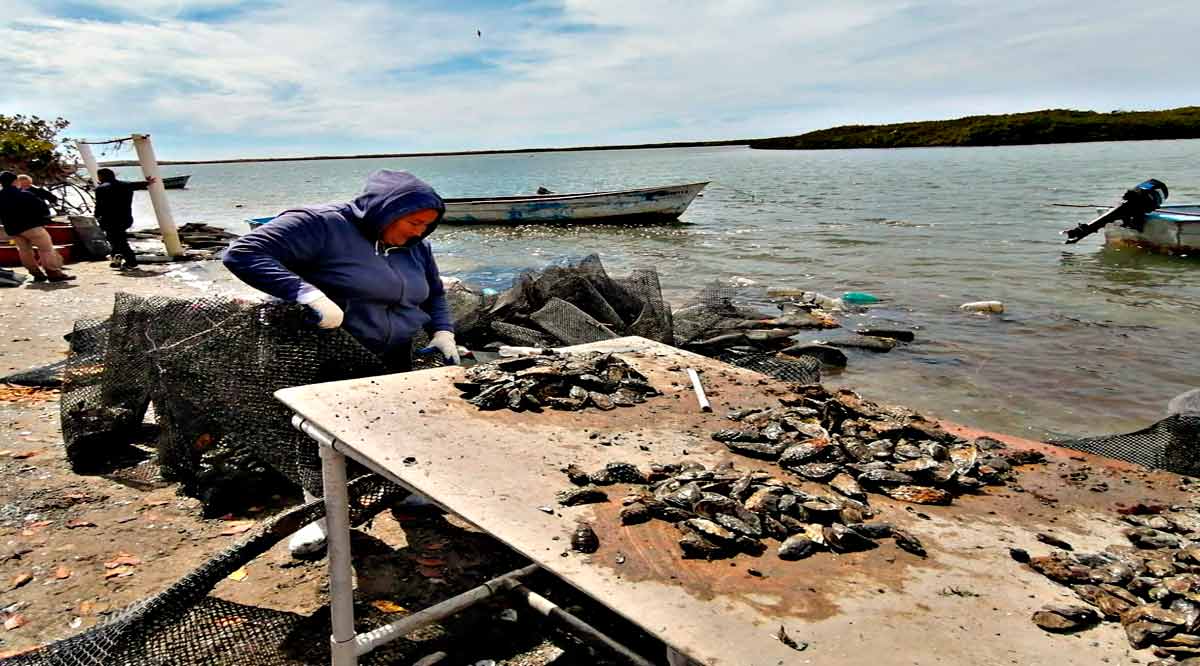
(967, 602)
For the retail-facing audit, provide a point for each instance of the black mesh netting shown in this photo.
(798, 370)
(1172, 444)
(565, 305)
(210, 367)
(184, 626)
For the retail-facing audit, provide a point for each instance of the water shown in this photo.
(1093, 341)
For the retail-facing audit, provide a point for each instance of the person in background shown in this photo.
(25, 184)
(114, 214)
(365, 266)
(24, 217)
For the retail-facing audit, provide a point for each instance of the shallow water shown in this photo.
(1092, 341)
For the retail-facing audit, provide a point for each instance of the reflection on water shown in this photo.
(1092, 340)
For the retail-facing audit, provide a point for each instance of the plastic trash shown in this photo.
(859, 298)
(822, 301)
(983, 306)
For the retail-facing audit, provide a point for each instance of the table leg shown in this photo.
(341, 574)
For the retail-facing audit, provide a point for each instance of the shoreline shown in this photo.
(452, 153)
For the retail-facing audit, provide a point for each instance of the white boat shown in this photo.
(1169, 230)
(649, 204)
(645, 205)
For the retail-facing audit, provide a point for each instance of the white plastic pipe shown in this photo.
(89, 161)
(699, 388)
(341, 574)
(158, 194)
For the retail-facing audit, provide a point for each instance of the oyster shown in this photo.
(1062, 619)
(843, 539)
(846, 485)
(584, 495)
(797, 547)
(584, 539)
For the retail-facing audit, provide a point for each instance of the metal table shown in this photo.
(968, 602)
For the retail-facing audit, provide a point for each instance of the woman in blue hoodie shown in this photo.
(363, 265)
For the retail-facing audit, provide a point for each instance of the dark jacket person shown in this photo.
(364, 265)
(24, 218)
(114, 213)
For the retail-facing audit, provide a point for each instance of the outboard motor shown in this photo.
(1144, 198)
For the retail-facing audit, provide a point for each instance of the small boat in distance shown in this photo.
(170, 183)
(641, 206)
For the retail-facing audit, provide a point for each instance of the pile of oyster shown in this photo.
(556, 381)
(722, 512)
(857, 447)
(1150, 585)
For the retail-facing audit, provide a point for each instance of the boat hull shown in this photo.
(1168, 230)
(654, 204)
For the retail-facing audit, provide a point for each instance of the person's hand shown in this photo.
(443, 341)
(330, 314)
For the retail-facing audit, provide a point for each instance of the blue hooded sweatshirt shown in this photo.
(388, 293)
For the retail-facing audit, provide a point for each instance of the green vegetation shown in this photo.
(1049, 126)
(31, 145)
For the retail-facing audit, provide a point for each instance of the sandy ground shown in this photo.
(75, 549)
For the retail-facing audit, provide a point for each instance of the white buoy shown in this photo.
(158, 194)
(983, 306)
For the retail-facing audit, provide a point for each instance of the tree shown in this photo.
(29, 144)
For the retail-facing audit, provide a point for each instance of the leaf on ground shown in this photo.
(20, 580)
(385, 606)
(87, 607)
(158, 502)
(40, 524)
(62, 573)
(237, 527)
(430, 572)
(123, 560)
(15, 621)
(240, 574)
(79, 522)
(24, 455)
(119, 572)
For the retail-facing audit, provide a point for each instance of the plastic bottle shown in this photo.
(983, 306)
(859, 298)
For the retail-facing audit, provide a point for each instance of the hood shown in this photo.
(391, 194)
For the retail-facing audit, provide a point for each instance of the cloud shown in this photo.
(215, 76)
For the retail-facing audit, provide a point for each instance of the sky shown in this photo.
(211, 79)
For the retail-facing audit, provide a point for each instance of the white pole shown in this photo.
(341, 573)
(89, 161)
(158, 194)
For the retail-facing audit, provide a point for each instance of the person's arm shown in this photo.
(266, 257)
(436, 305)
(102, 197)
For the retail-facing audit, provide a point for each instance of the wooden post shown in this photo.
(89, 161)
(158, 194)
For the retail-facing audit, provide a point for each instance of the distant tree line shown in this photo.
(1049, 126)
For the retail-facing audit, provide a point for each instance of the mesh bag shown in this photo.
(46, 376)
(570, 324)
(183, 625)
(566, 305)
(799, 370)
(1172, 444)
(210, 367)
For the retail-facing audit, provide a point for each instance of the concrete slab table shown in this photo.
(967, 602)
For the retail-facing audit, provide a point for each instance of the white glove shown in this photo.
(329, 312)
(443, 341)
